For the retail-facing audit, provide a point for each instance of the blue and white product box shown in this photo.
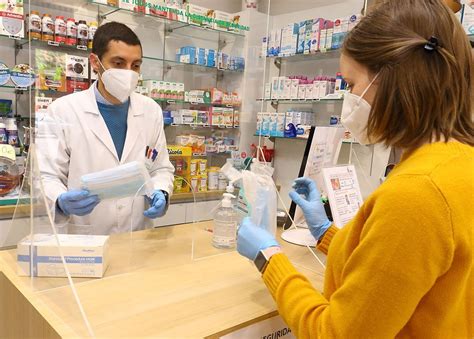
(210, 58)
(259, 123)
(301, 37)
(85, 255)
(275, 88)
(280, 125)
(277, 42)
(266, 117)
(330, 33)
(340, 31)
(289, 40)
(270, 45)
(264, 51)
(187, 55)
(308, 36)
(273, 124)
(289, 119)
(201, 56)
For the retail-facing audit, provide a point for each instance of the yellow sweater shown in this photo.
(403, 267)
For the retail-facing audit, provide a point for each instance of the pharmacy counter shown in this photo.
(165, 282)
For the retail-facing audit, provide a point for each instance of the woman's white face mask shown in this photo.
(120, 83)
(355, 115)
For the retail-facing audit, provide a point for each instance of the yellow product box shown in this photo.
(202, 170)
(180, 157)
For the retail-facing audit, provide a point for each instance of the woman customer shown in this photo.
(403, 267)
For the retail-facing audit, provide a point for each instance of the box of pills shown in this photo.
(259, 123)
(318, 25)
(302, 91)
(268, 91)
(468, 19)
(222, 20)
(330, 33)
(266, 118)
(275, 88)
(281, 87)
(301, 37)
(309, 95)
(308, 36)
(85, 255)
(287, 89)
(340, 31)
(273, 124)
(200, 16)
(280, 125)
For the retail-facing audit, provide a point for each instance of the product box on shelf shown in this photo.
(223, 61)
(258, 130)
(281, 87)
(74, 85)
(155, 88)
(51, 68)
(77, 67)
(266, 120)
(210, 57)
(228, 115)
(187, 55)
(200, 16)
(308, 36)
(294, 89)
(353, 21)
(199, 97)
(301, 37)
(275, 88)
(289, 40)
(318, 26)
(468, 19)
(329, 28)
(341, 27)
(180, 157)
(302, 91)
(286, 94)
(268, 91)
(12, 18)
(236, 119)
(217, 116)
(222, 20)
(86, 256)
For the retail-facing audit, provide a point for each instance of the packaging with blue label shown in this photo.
(301, 37)
(4, 74)
(308, 36)
(201, 56)
(86, 256)
(210, 58)
(318, 25)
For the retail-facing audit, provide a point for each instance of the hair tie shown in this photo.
(432, 44)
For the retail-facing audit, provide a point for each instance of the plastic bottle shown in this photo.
(225, 224)
(34, 25)
(92, 30)
(82, 34)
(12, 132)
(60, 30)
(48, 28)
(71, 31)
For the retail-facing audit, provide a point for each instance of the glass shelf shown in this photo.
(182, 102)
(171, 25)
(302, 102)
(330, 54)
(196, 126)
(21, 42)
(173, 64)
(283, 138)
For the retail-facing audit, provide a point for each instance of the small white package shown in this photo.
(85, 255)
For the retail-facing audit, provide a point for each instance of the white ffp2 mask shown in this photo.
(355, 115)
(120, 83)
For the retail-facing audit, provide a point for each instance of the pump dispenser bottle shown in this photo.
(225, 224)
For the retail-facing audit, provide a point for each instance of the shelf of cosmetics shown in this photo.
(308, 36)
(180, 11)
(299, 87)
(193, 174)
(292, 124)
(211, 58)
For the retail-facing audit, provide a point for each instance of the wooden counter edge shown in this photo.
(39, 315)
(243, 325)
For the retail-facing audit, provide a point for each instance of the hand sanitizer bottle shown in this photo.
(225, 224)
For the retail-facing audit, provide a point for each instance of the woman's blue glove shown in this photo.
(252, 239)
(77, 202)
(158, 205)
(306, 195)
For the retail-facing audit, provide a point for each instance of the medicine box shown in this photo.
(222, 20)
(289, 119)
(289, 40)
(275, 88)
(330, 32)
(266, 119)
(268, 91)
(200, 16)
(287, 89)
(85, 255)
(340, 31)
(308, 36)
(302, 91)
(264, 51)
(318, 25)
(294, 89)
(277, 42)
(301, 37)
(12, 20)
(281, 87)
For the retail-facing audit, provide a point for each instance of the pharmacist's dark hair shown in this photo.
(425, 90)
(113, 31)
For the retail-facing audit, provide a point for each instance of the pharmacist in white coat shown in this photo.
(101, 128)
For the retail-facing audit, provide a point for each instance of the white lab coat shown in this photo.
(73, 140)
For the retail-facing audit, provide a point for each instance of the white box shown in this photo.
(264, 52)
(12, 24)
(280, 125)
(316, 86)
(308, 36)
(85, 255)
(302, 91)
(277, 42)
(222, 20)
(289, 119)
(281, 87)
(468, 19)
(287, 89)
(77, 67)
(273, 124)
(266, 117)
(323, 89)
(275, 88)
(297, 118)
(294, 89)
(200, 16)
(309, 95)
(353, 20)
(268, 91)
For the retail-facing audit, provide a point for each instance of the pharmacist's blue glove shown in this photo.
(252, 239)
(77, 202)
(306, 195)
(158, 205)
